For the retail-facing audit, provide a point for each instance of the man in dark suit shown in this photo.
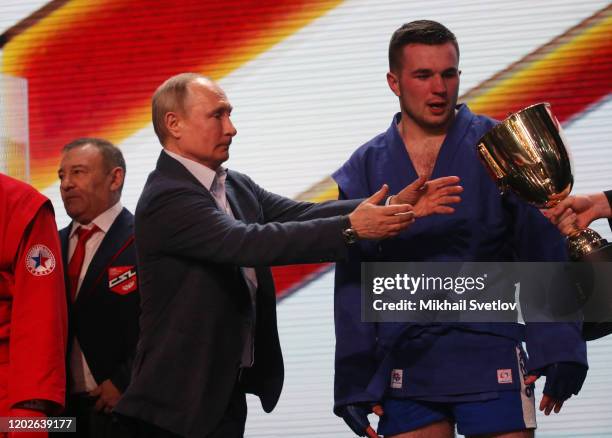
(101, 283)
(205, 237)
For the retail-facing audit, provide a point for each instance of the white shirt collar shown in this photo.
(205, 175)
(103, 220)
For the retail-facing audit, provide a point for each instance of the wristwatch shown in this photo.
(349, 234)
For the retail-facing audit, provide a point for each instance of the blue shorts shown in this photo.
(506, 411)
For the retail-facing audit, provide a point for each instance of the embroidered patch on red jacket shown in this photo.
(39, 260)
(122, 279)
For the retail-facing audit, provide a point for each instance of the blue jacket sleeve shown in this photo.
(355, 360)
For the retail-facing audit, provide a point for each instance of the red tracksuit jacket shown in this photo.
(33, 316)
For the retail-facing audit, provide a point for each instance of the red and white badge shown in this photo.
(39, 260)
(122, 279)
(504, 376)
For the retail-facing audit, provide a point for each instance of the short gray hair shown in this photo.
(170, 96)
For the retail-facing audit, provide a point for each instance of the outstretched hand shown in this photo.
(373, 221)
(577, 212)
(430, 197)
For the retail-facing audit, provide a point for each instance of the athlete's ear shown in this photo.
(393, 82)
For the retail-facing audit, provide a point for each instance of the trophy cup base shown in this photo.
(587, 245)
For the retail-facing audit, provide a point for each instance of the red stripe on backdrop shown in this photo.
(93, 66)
(292, 277)
(572, 72)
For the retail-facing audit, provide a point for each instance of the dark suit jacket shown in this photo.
(104, 317)
(596, 330)
(194, 298)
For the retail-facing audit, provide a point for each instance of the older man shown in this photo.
(205, 238)
(102, 283)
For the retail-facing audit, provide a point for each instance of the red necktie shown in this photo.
(76, 261)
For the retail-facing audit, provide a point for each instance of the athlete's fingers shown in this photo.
(396, 209)
(443, 181)
(548, 403)
(449, 199)
(371, 433)
(443, 209)
(452, 190)
(378, 410)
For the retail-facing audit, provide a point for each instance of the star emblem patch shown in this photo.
(40, 260)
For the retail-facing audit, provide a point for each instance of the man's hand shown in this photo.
(562, 380)
(373, 221)
(430, 197)
(578, 212)
(356, 417)
(108, 396)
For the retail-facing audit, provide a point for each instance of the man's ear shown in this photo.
(393, 82)
(173, 124)
(117, 178)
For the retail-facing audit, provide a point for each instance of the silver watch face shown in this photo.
(350, 236)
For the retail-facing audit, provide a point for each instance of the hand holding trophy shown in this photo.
(527, 154)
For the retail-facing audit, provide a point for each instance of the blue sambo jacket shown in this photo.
(437, 361)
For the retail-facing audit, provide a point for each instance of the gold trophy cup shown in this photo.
(527, 154)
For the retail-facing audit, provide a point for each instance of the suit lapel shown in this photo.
(64, 235)
(239, 214)
(232, 198)
(173, 168)
(119, 232)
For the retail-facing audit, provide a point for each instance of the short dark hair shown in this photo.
(418, 32)
(111, 154)
(170, 96)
